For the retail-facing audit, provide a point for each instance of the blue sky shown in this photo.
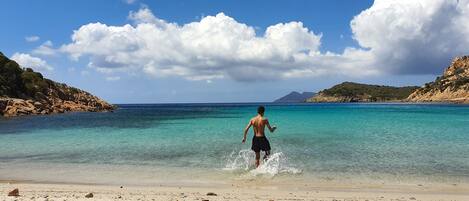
(227, 54)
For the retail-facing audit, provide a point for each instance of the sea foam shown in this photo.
(242, 162)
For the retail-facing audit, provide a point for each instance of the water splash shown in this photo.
(242, 162)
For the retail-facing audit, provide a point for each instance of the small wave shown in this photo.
(243, 162)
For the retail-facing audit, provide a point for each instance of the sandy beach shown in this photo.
(245, 190)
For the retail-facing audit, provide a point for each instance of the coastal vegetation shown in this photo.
(24, 92)
(357, 92)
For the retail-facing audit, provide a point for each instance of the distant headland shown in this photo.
(295, 97)
(356, 92)
(451, 87)
(25, 92)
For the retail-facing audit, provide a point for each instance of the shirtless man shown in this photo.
(259, 141)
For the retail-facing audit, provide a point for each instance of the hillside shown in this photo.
(295, 97)
(452, 86)
(25, 92)
(356, 92)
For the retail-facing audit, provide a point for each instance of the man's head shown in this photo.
(260, 110)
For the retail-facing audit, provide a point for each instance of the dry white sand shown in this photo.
(238, 190)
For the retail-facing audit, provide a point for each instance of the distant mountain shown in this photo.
(25, 92)
(356, 92)
(452, 86)
(295, 97)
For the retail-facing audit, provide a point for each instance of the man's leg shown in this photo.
(267, 154)
(258, 156)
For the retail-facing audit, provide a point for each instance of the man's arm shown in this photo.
(271, 129)
(246, 130)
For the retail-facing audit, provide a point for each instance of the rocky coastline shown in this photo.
(10, 107)
(25, 92)
(452, 86)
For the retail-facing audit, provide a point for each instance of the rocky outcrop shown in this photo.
(25, 92)
(80, 102)
(452, 86)
(356, 92)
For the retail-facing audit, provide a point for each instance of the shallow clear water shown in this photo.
(313, 141)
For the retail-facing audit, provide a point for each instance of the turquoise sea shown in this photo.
(154, 143)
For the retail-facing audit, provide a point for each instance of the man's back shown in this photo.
(258, 123)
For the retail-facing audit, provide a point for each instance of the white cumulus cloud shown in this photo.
(413, 37)
(45, 49)
(28, 61)
(394, 37)
(214, 47)
(144, 15)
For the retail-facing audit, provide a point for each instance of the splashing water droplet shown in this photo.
(243, 162)
(239, 161)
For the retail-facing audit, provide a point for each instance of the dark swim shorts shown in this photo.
(260, 143)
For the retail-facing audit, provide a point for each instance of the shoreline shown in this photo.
(235, 190)
(150, 175)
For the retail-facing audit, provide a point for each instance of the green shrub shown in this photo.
(374, 92)
(461, 81)
(458, 71)
(33, 83)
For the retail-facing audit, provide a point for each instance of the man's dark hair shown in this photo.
(260, 109)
